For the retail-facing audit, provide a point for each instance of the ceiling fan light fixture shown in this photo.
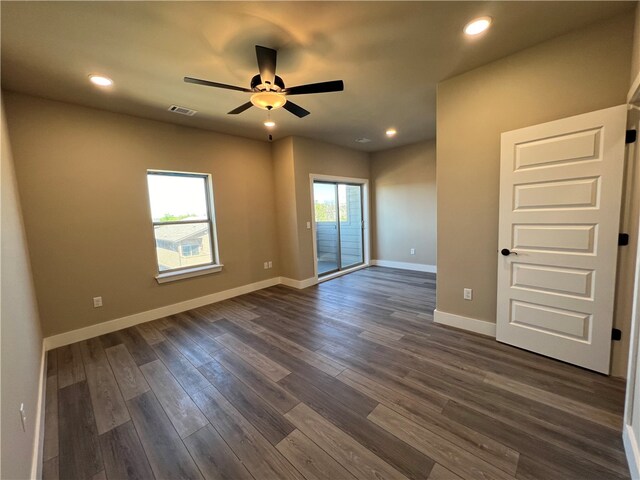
(268, 100)
(477, 26)
(390, 132)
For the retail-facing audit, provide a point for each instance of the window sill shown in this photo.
(166, 277)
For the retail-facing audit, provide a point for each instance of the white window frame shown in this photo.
(180, 273)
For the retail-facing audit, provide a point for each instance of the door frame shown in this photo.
(366, 231)
(632, 449)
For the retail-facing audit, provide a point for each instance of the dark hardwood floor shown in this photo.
(347, 379)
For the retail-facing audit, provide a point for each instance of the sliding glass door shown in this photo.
(325, 201)
(350, 201)
(339, 222)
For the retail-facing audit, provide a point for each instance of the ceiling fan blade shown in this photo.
(322, 87)
(266, 63)
(241, 108)
(207, 83)
(297, 110)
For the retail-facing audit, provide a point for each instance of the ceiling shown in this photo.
(391, 55)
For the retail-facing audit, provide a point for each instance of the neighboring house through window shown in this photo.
(190, 250)
(183, 220)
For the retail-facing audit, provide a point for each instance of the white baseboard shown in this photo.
(418, 267)
(290, 282)
(85, 333)
(91, 331)
(38, 441)
(631, 451)
(465, 323)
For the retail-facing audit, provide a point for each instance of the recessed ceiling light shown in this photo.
(363, 140)
(100, 80)
(477, 26)
(391, 132)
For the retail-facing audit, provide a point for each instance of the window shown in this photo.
(183, 223)
(343, 203)
(325, 202)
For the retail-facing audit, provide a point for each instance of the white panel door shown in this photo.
(560, 195)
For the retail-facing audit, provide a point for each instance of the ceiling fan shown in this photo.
(269, 91)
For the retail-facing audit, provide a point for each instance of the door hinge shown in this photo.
(631, 136)
(616, 334)
(623, 239)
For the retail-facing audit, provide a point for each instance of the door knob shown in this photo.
(506, 252)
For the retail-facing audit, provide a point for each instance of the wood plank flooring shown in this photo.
(350, 379)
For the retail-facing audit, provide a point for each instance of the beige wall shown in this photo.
(313, 156)
(583, 71)
(404, 203)
(21, 338)
(82, 173)
(285, 196)
(82, 177)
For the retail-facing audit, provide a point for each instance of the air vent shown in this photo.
(363, 140)
(182, 110)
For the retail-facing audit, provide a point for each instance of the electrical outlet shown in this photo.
(97, 302)
(23, 417)
(270, 264)
(468, 294)
(412, 251)
(266, 265)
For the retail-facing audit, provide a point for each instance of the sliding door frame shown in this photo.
(366, 230)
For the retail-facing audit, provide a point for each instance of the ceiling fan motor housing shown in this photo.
(258, 86)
